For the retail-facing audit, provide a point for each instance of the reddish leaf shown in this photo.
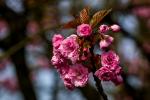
(83, 18)
(97, 17)
(84, 15)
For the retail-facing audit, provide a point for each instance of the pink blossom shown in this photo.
(63, 69)
(117, 80)
(108, 73)
(69, 48)
(117, 70)
(80, 75)
(68, 82)
(106, 42)
(115, 28)
(56, 40)
(105, 74)
(103, 28)
(109, 58)
(77, 76)
(67, 77)
(84, 30)
(57, 59)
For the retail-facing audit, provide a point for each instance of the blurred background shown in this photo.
(26, 29)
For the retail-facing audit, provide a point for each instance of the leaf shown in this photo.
(72, 24)
(84, 15)
(83, 18)
(97, 17)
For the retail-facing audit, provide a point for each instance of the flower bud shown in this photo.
(103, 28)
(106, 42)
(115, 28)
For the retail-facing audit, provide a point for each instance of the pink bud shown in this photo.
(115, 28)
(106, 42)
(103, 28)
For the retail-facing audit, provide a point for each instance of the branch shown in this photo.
(90, 93)
(22, 43)
(98, 82)
(17, 29)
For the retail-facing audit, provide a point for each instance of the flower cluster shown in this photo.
(74, 57)
(65, 57)
(110, 70)
(106, 39)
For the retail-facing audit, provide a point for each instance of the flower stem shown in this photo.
(99, 87)
(97, 81)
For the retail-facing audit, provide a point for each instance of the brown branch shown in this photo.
(17, 29)
(90, 93)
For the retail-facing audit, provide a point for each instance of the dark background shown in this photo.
(26, 29)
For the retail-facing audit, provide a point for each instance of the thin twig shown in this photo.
(99, 87)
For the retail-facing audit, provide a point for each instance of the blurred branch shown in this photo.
(17, 29)
(23, 42)
(14, 49)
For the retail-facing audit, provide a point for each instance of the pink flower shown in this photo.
(80, 75)
(105, 74)
(56, 40)
(117, 70)
(84, 30)
(63, 69)
(117, 80)
(77, 76)
(68, 83)
(109, 58)
(103, 29)
(115, 28)
(57, 59)
(106, 42)
(69, 48)
(108, 73)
